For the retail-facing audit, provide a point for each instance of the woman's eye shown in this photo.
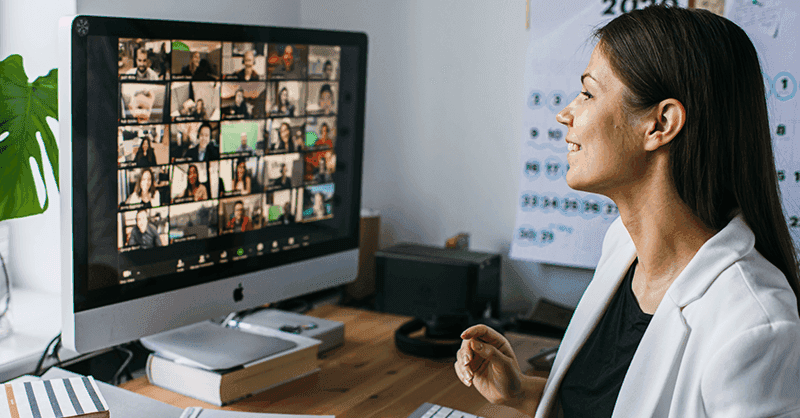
(587, 94)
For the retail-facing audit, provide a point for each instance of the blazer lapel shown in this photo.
(593, 304)
(655, 362)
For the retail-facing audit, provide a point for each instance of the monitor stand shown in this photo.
(210, 346)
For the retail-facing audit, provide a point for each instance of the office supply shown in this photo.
(220, 387)
(206, 169)
(429, 410)
(367, 377)
(195, 412)
(228, 349)
(329, 333)
(127, 404)
(54, 398)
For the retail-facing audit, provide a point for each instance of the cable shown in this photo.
(55, 343)
(124, 366)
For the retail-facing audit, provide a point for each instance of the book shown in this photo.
(54, 398)
(221, 387)
(194, 412)
(126, 404)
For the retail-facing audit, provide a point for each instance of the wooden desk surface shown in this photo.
(366, 377)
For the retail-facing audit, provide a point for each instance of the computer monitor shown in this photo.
(205, 169)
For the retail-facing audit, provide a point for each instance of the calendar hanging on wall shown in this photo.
(558, 225)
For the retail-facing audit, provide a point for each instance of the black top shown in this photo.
(592, 383)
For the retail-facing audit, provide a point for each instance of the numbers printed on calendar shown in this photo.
(790, 177)
(569, 205)
(528, 235)
(615, 7)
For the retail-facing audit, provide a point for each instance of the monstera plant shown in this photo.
(24, 108)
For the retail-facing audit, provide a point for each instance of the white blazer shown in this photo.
(724, 341)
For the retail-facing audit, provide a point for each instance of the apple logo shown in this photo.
(238, 293)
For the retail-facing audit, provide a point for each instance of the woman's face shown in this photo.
(199, 105)
(608, 155)
(240, 169)
(284, 96)
(195, 59)
(285, 132)
(145, 145)
(324, 131)
(147, 181)
(192, 175)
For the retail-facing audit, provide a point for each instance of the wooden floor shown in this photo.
(366, 377)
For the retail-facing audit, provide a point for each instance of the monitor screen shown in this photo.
(200, 152)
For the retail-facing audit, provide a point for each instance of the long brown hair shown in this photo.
(722, 160)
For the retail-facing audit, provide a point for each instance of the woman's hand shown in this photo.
(486, 361)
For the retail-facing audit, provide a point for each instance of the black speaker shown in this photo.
(446, 290)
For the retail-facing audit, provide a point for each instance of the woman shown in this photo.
(200, 110)
(145, 191)
(693, 308)
(324, 141)
(194, 189)
(144, 155)
(239, 106)
(283, 107)
(284, 139)
(241, 183)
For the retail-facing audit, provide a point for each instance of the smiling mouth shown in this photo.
(573, 147)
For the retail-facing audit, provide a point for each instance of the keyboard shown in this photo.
(429, 410)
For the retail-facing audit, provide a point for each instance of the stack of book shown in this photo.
(220, 387)
(54, 398)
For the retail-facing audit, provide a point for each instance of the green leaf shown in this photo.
(23, 110)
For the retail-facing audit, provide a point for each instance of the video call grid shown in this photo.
(257, 199)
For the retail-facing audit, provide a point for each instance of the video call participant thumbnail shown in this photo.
(190, 221)
(322, 98)
(281, 135)
(323, 62)
(238, 176)
(139, 187)
(144, 59)
(142, 103)
(287, 201)
(244, 61)
(287, 98)
(318, 202)
(323, 132)
(194, 182)
(206, 148)
(240, 214)
(283, 171)
(288, 62)
(143, 229)
(142, 146)
(243, 100)
(240, 139)
(194, 101)
(196, 60)
(320, 167)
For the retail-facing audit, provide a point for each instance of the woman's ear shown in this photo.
(664, 123)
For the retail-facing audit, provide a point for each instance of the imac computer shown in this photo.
(205, 169)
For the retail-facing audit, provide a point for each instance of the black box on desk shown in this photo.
(424, 281)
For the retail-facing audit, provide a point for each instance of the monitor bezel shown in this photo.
(75, 205)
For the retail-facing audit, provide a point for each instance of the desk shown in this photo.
(366, 377)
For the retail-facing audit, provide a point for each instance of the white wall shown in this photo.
(444, 97)
(442, 125)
